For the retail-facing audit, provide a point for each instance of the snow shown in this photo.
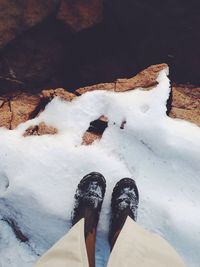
(39, 174)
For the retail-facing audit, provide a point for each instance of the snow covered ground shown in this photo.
(39, 174)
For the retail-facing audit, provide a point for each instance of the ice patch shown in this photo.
(161, 154)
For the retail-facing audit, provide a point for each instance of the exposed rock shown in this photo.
(17, 108)
(21, 107)
(189, 90)
(189, 115)
(78, 15)
(104, 119)
(17, 16)
(5, 113)
(95, 130)
(186, 103)
(40, 129)
(88, 138)
(131, 36)
(100, 86)
(34, 59)
(62, 93)
(185, 99)
(144, 79)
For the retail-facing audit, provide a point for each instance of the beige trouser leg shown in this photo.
(69, 251)
(136, 247)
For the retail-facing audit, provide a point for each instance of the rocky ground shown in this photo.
(51, 48)
(19, 107)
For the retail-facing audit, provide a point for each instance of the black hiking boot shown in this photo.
(88, 200)
(124, 203)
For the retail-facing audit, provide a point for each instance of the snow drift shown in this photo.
(39, 174)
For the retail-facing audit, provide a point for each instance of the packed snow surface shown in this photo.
(39, 174)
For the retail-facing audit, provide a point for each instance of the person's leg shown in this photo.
(124, 203)
(70, 250)
(88, 201)
(136, 246)
(77, 247)
(132, 245)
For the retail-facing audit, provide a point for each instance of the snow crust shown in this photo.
(39, 174)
